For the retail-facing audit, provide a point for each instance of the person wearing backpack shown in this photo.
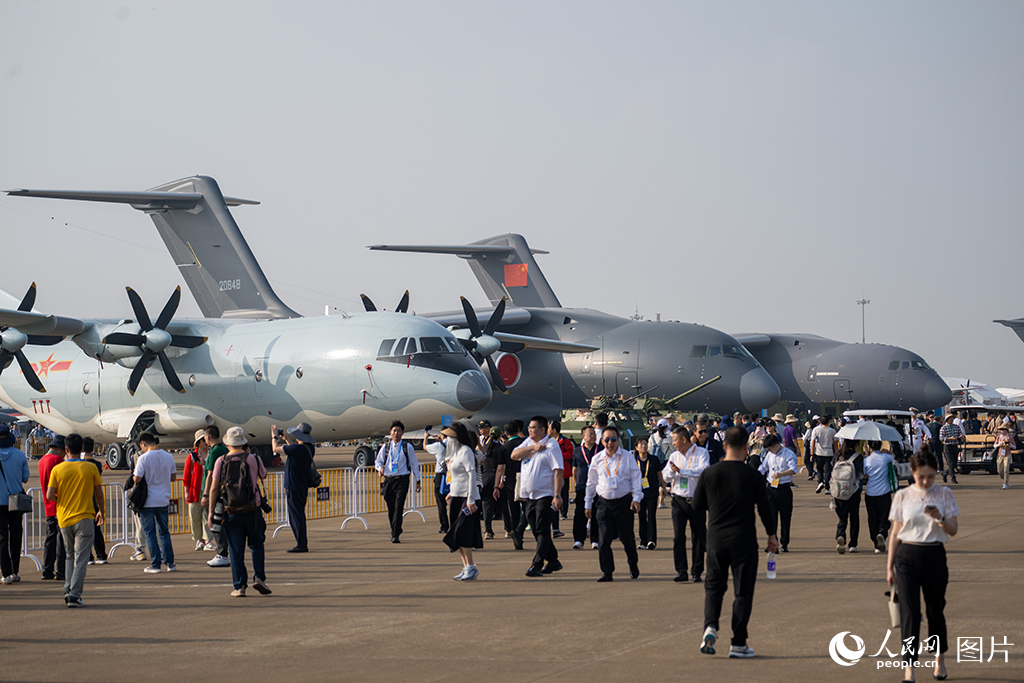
(847, 474)
(299, 449)
(395, 461)
(234, 485)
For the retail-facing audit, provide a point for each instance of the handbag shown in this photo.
(17, 502)
(894, 607)
(138, 496)
(446, 487)
(314, 477)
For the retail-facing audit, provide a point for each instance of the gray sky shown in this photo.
(757, 167)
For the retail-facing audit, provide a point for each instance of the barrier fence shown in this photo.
(343, 492)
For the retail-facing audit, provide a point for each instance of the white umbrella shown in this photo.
(869, 431)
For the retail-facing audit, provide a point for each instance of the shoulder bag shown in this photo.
(314, 477)
(16, 502)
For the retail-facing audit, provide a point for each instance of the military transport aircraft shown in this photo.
(808, 369)
(253, 364)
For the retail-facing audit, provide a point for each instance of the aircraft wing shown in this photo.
(512, 317)
(541, 344)
(30, 322)
(753, 340)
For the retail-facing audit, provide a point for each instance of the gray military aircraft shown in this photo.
(252, 364)
(807, 369)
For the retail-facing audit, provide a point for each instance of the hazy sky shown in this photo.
(757, 167)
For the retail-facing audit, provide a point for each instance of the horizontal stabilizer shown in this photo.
(142, 200)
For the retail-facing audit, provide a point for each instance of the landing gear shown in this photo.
(116, 459)
(364, 456)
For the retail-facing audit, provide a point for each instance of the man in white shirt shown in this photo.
(395, 461)
(917, 432)
(822, 445)
(779, 465)
(681, 472)
(158, 468)
(540, 486)
(613, 497)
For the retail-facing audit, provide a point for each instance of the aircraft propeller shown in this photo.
(153, 338)
(481, 345)
(12, 341)
(403, 305)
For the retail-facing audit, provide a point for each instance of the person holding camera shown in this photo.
(234, 485)
(299, 447)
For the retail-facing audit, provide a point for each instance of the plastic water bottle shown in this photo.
(771, 565)
(218, 518)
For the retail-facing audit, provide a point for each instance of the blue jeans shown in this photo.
(241, 528)
(154, 521)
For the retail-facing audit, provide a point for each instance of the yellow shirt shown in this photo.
(76, 482)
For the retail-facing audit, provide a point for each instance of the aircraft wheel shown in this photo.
(116, 457)
(364, 456)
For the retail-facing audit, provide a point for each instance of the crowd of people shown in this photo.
(712, 473)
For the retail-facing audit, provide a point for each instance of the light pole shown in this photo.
(862, 303)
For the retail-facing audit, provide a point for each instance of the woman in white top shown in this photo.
(923, 516)
(464, 498)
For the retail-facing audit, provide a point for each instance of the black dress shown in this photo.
(464, 531)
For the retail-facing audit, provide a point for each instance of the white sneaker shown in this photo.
(740, 651)
(707, 643)
(152, 570)
(471, 573)
(210, 546)
(238, 593)
(200, 545)
(821, 487)
(101, 561)
(139, 556)
(16, 578)
(219, 561)
(594, 546)
(1006, 486)
(7, 580)
(461, 575)
(578, 545)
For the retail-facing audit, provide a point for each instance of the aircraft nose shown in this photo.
(758, 390)
(473, 391)
(937, 393)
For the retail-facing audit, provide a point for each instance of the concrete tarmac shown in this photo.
(358, 608)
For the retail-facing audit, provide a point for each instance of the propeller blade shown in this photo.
(367, 304)
(30, 374)
(44, 339)
(124, 339)
(495, 319)
(141, 316)
(4, 355)
(403, 305)
(471, 320)
(187, 341)
(30, 299)
(169, 308)
(169, 373)
(140, 367)
(495, 375)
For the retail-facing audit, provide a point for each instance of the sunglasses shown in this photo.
(609, 439)
(702, 431)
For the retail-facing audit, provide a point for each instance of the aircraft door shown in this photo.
(844, 392)
(625, 382)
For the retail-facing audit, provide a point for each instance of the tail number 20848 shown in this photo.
(228, 285)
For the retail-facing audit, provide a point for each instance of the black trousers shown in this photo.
(849, 511)
(395, 490)
(442, 506)
(579, 520)
(296, 502)
(538, 514)
(683, 513)
(878, 514)
(490, 506)
(824, 466)
(649, 517)
(781, 501)
(921, 569)
(614, 518)
(743, 561)
(99, 544)
(53, 548)
(11, 534)
(511, 509)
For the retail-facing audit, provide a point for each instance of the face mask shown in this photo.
(450, 444)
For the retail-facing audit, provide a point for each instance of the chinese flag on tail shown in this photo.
(515, 275)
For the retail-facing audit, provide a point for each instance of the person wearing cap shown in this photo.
(53, 544)
(244, 527)
(195, 461)
(14, 466)
(464, 498)
(299, 447)
(780, 423)
(76, 487)
(613, 497)
(1003, 453)
(158, 468)
(217, 451)
(779, 465)
(951, 436)
(660, 443)
(917, 432)
(396, 462)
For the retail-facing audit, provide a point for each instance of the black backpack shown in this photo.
(236, 486)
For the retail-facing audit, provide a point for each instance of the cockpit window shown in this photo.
(714, 351)
(433, 345)
(919, 365)
(895, 365)
(456, 345)
(410, 348)
(905, 365)
(734, 351)
(699, 352)
(385, 348)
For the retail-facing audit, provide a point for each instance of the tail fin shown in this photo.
(503, 265)
(195, 224)
(1015, 325)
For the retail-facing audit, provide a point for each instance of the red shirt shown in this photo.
(567, 452)
(193, 478)
(46, 465)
